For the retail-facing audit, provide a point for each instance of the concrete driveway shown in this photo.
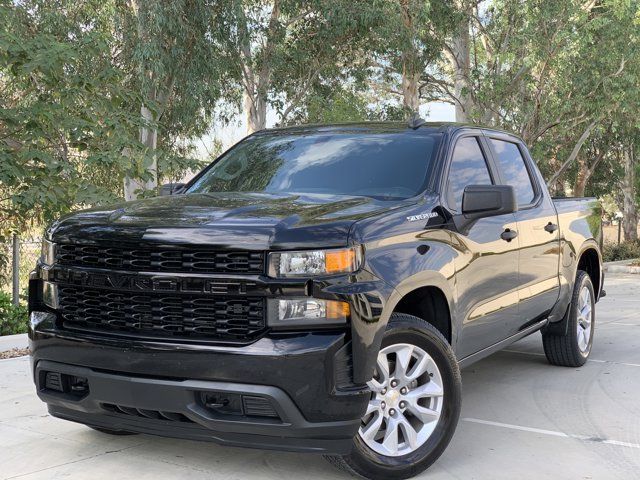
(521, 418)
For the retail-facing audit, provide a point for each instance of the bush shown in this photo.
(612, 252)
(12, 319)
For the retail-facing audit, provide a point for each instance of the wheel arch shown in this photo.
(589, 261)
(429, 303)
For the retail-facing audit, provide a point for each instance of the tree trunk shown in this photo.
(255, 109)
(149, 129)
(410, 94)
(460, 60)
(581, 179)
(149, 138)
(574, 153)
(410, 64)
(629, 210)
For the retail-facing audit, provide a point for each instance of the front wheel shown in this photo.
(414, 406)
(573, 347)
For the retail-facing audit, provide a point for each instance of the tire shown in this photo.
(108, 431)
(572, 349)
(408, 333)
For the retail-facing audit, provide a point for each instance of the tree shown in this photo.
(65, 114)
(281, 49)
(175, 63)
(408, 49)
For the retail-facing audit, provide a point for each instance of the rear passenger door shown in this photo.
(538, 284)
(486, 265)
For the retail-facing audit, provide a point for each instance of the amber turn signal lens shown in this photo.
(340, 260)
(338, 309)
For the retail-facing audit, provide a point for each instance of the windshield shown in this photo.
(380, 165)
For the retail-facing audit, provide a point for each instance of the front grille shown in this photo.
(185, 259)
(160, 314)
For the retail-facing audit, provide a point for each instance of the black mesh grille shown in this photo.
(158, 259)
(161, 315)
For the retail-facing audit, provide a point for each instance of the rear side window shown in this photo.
(514, 170)
(468, 167)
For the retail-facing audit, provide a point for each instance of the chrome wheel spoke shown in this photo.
(409, 433)
(371, 429)
(424, 414)
(374, 406)
(429, 389)
(390, 441)
(422, 366)
(403, 358)
(382, 369)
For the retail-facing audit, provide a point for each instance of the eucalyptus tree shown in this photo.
(408, 50)
(282, 50)
(174, 60)
(552, 72)
(65, 114)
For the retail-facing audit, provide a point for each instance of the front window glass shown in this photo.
(388, 165)
(468, 167)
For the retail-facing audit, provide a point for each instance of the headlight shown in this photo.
(300, 312)
(314, 262)
(48, 252)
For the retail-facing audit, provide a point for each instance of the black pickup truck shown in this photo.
(315, 289)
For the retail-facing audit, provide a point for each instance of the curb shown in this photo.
(622, 266)
(9, 342)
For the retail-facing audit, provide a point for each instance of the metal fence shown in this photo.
(22, 256)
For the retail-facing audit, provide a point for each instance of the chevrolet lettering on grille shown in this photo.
(153, 283)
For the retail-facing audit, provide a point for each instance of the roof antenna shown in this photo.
(416, 121)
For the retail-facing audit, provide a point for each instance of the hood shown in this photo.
(229, 220)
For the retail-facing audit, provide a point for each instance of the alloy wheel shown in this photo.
(407, 399)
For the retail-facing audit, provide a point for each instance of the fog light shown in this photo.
(50, 294)
(307, 312)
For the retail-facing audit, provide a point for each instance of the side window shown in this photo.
(514, 170)
(468, 167)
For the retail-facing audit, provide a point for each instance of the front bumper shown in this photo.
(298, 383)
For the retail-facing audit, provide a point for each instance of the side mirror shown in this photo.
(488, 200)
(171, 189)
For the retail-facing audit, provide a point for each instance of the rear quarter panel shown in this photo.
(580, 221)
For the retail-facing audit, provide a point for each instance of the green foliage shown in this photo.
(612, 252)
(65, 117)
(13, 319)
(335, 106)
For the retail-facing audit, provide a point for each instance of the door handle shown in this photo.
(550, 227)
(508, 235)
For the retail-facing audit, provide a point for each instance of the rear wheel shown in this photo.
(572, 348)
(414, 406)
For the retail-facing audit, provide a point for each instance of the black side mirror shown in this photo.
(171, 189)
(488, 200)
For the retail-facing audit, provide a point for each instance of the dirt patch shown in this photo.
(14, 352)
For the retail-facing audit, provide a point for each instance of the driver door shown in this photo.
(486, 265)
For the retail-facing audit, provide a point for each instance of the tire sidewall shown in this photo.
(582, 280)
(407, 329)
